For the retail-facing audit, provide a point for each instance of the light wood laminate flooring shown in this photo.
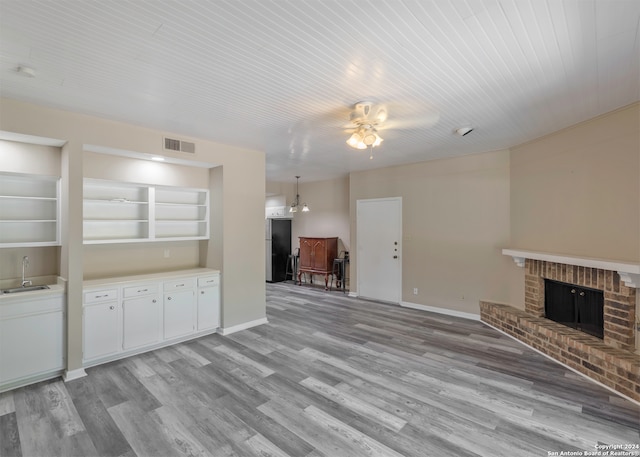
(328, 376)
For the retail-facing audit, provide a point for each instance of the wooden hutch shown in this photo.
(316, 257)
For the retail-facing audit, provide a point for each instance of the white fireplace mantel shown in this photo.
(629, 272)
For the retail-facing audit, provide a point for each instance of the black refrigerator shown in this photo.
(278, 245)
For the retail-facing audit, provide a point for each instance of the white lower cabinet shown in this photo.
(140, 315)
(123, 318)
(179, 313)
(32, 335)
(208, 302)
(101, 324)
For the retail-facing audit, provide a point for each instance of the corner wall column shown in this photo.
(71, 254)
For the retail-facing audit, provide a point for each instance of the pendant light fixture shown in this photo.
(296, 203)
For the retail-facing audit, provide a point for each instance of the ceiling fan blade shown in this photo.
(411, 123)
(411, 115)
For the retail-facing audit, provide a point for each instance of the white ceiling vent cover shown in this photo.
(172, 144)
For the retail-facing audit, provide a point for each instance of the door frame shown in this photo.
(398, 291)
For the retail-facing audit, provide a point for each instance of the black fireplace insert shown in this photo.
(578, 307)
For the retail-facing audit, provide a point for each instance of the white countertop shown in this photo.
(57, 288)
(148, 277)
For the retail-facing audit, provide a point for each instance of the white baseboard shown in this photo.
(353, 294)
(566, 366)
(73, 374)
(247, 325)
(435, 309)
(16, 383)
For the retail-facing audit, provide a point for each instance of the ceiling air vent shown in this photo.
(181, 146)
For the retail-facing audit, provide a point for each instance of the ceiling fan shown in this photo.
(368, 118)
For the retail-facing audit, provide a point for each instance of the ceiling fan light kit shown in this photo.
(366, 117)
(364, 137)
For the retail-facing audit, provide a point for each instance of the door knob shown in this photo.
(395, 256)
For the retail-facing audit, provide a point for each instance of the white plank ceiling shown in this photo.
(279, 76)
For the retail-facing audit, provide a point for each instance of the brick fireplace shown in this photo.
(612, 360)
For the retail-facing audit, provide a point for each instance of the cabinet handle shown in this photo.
(168, 298)
(101, 296)
(112, 307)
(153, 301)
(179, 285)
(202, 292)
(143, 290)
(582, 294)
(573, 291)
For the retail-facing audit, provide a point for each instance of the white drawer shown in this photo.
(208, 281)
(143, 289)
(179, 284)
(98, 296)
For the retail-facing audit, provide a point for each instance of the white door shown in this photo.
(379, 236)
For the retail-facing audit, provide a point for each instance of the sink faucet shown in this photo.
(25, 264)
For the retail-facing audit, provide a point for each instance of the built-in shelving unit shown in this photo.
(119, 212)
(29, 210)
(181, 213)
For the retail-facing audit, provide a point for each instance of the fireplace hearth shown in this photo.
(577, 307)
(609, 354)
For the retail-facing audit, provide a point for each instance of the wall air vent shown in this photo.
(180, 146)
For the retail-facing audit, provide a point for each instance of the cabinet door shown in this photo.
(179, 313)
(141, 319)
(31, 345)
(208, 308)
(306, 246)
(319, 255)
(100, 330)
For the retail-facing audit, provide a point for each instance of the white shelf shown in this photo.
(119, 212)
(29, 210)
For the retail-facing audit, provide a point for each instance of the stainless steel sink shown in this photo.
(23, 289)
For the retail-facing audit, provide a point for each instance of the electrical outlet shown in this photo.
(167, 253)
(415, 291)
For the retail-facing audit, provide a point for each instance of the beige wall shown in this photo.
(577, 192)
(29, 158)
(455, 223)
(237, 182)
(329, 212)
